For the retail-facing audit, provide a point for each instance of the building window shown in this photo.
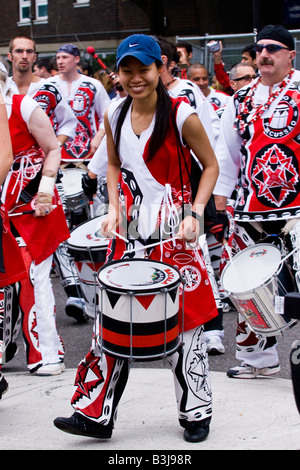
(81, 3)
(24, 6)
(41, 11)
(41, 7)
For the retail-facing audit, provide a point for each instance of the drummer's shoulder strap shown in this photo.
(194, 172)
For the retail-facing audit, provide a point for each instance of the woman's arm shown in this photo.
(195, 136)
(42, 130)
(111, 222)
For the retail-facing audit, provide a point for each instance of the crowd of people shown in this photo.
(193, 175)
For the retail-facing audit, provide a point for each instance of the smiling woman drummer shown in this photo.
(149, 190)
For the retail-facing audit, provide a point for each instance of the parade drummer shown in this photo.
(40, 226)
(259, 144)
(144, 162)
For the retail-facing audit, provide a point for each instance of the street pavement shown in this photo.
(257, 414)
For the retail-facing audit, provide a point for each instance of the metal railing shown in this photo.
(232, 44)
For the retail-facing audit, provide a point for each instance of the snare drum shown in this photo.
(88, 248)
(75, 197)
(138, 308)
(253, 278)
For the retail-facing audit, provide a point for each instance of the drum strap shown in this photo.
(180, 153)
(173, 218)
(257, 227)
(195, 172)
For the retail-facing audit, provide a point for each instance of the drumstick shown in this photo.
(90, 50)
(288, 255)
(91, 202)
(81, 161)
(151, 246)
(120, 236)
(26, 212)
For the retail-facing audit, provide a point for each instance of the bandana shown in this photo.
(69, 49)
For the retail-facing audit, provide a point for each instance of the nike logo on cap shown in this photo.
(132, 45)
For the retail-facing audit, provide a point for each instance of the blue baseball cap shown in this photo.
(143, 47)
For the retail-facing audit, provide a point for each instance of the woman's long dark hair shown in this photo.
(162, 120)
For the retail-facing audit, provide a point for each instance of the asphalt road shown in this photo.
(77, 341)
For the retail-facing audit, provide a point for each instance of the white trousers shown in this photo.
(49, 340)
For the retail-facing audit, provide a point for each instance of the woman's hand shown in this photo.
(110, 223)
(189, 229)
(43, 204)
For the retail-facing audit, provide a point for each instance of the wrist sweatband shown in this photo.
(195, 215)
(47, 184)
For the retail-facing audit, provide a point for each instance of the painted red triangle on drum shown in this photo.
(79, 266)
(145, 300)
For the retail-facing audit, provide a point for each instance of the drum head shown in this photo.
(88, 236)
(138, 275)
(251, 268)
(71, 180)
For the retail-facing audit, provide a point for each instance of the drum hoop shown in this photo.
(80, 247)
(86, 248)
(275, 273)
(173, 285)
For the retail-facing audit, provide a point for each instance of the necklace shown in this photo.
(244, 118)
(170, 82)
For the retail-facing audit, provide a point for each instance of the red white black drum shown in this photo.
(253, 278)
(88, 248)
(138, 309)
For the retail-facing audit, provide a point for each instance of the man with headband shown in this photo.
(22, 55)
(88, 100)
(259, 143)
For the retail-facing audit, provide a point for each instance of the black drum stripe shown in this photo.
(138, 329)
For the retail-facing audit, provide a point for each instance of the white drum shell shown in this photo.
(256, 302)
(88, 248)
(140, 308)
(138, 320)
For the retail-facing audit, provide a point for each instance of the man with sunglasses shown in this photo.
(240, 75)
(259, 144)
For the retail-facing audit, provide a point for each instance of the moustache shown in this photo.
(266, 62)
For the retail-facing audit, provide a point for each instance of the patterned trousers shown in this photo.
(101, 380)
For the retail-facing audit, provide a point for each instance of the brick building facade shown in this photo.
(103, 23)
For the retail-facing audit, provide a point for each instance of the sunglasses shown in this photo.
(271, 48)
(248, 78)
